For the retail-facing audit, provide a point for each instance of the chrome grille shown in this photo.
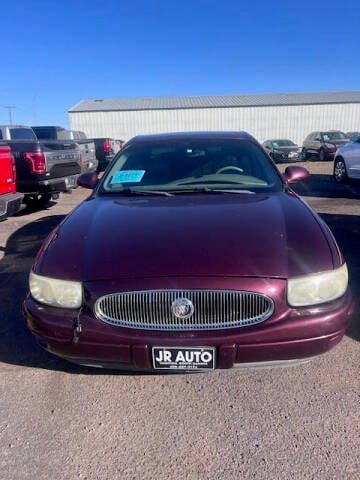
(213, 309)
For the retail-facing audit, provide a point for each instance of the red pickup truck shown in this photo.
(10, 199)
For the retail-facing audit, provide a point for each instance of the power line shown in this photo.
(10, 108)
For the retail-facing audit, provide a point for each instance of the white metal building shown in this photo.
(265, 116)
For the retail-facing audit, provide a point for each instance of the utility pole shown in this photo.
(10, 109)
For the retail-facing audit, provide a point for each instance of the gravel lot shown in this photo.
(60, 421)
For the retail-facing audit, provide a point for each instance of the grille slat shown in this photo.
(213, 309)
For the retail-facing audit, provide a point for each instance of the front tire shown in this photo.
(304, 155)
(322, 155)
(37, 201)
(340, 174)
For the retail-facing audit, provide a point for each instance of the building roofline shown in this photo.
(127, 104)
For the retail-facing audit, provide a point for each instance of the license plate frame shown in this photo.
(183, 358)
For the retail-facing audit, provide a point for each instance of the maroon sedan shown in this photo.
(192, 252)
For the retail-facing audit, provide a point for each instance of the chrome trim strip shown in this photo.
(274, 363)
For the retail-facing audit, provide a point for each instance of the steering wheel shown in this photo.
(230, 167)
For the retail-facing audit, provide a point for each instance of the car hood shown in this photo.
(255, 235)
(286, 149)
(339, 143)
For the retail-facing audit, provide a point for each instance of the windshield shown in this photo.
(22, 134)
(283, 143)
(191, 165)
(51, 133)
(333, 136)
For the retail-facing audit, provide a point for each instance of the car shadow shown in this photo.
(321, 185)
(17, 344)
(26, 209)
(346, 229)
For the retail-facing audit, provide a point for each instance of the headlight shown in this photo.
(317, 288)
(57, 293)
(330, 146)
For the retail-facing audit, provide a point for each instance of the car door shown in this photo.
(351, 155)
(308, 143)
(316, 143)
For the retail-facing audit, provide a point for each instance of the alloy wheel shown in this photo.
(340, 171)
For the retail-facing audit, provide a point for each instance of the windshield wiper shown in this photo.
(207, 182)
(211, 190)
(133, 191)
(230, 190)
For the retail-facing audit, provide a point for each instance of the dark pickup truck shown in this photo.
(10, 199)
(44, 169)
(97, 153)
(89, 162)
(105, 148)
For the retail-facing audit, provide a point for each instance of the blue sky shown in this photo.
(55, 54)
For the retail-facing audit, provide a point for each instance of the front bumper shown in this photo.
(286, 158)
(104, 162)
(330, 155)
(299, 334)
(10, 203)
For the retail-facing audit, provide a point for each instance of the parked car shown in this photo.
(10, 199)
(352, 135)
(44, 168)
(88, 161)
(323, 145)
(282, 150)
(192, 252)
(347, 162)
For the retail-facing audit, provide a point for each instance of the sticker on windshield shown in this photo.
(128, 176)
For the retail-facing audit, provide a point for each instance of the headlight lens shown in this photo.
(57, 293)
(317, 288)
(330, 146)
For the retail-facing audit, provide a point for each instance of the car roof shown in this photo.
(332, 131)
(206, 135)
(277, 139)
(14, 126)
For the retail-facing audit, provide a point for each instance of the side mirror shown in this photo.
(318, 139)
(294, 174)
(88, 180)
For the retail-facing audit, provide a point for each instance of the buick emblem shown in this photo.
(182, 308)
